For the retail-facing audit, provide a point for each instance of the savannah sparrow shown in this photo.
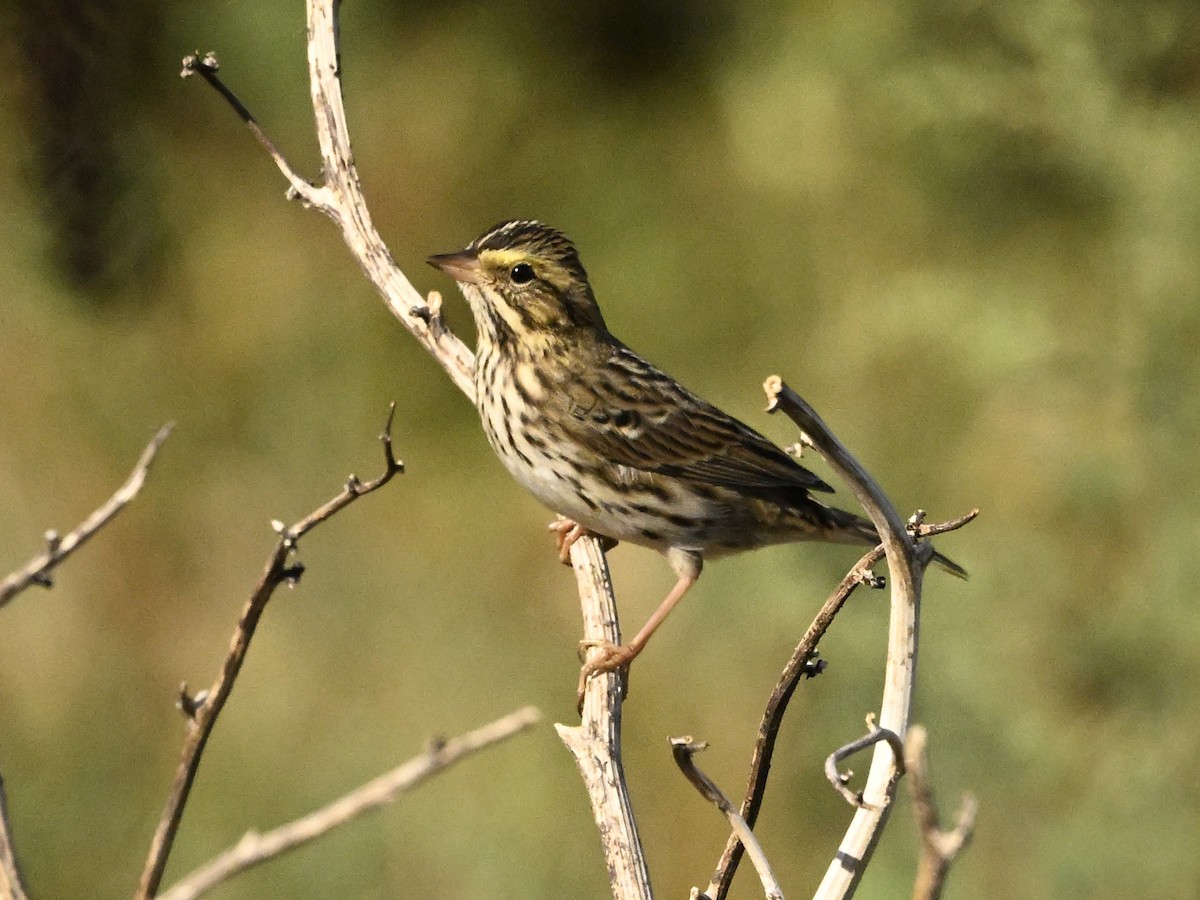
(616, 447)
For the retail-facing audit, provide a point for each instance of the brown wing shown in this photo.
(630, 413)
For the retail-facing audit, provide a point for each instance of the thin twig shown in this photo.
(841, 780)
(803, 664)
(202, 711)
(684, 749)
(596, 741)
(340, 196)
(255, 848)
(938, 848)
(12, 886)
(37, 570)
(207, 68)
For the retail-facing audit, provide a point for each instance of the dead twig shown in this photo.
(202, 710)
(804, 663)
(939, 848)
(340, 195)
(255, 848)
(683, 749)
(59, 547)
(11, 884)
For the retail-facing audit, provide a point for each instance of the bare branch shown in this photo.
(938, 848)
(255, 848)
(201, 711)
(207, 67)
(906, 568)
(11, 884)
(804, 663)
(683, 749)
(942, 527)
(340, 197)
(37, 570)
(596, 741)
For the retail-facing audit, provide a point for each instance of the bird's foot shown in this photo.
(568, 531)
(611, 658)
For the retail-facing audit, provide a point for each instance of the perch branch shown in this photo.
(11, 885)
(202, 710)
(340, 197)
(684, 749)
(255, 848)
(596, 741)
(900, 671)
(37, 570)
(938, 848)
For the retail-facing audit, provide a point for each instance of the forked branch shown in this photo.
(906, 563)
(340, 197)
(202, 709)
(939, 848)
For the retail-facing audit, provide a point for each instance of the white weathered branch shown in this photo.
(900, 671)
(596, 741)
(11, 885)
(939, 848)
(339, 196)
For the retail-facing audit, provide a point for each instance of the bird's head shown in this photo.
(524, 281)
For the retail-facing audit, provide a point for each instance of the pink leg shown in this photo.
(619, 656)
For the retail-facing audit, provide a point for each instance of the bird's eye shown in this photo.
(522, 273)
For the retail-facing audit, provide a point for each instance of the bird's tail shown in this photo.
(857, 530)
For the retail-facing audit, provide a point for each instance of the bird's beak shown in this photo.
(463, 266)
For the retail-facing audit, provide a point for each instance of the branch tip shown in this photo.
(683, 749)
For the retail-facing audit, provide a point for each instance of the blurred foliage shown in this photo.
(966, 232)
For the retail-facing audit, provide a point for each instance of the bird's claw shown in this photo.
(568, 531)
(611, 658)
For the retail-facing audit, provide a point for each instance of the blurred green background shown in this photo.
(968, 233)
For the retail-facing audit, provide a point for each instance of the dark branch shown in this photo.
(203, 709)
(207, 68)
(803, 664)
(37, 570)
